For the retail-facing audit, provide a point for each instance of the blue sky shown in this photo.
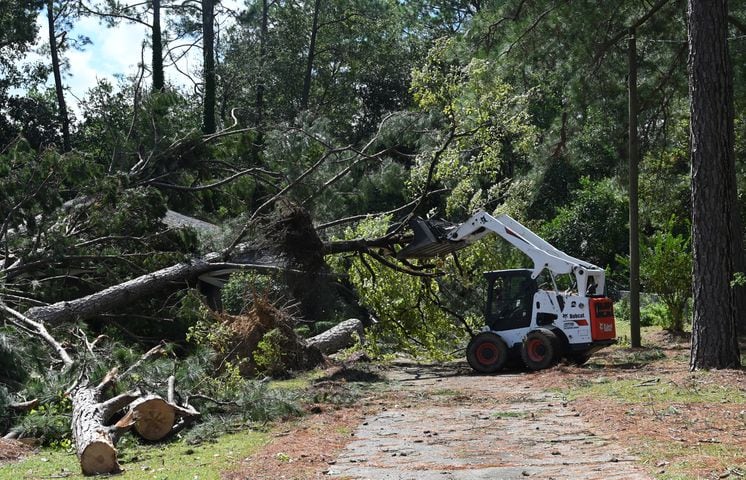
(114, 51)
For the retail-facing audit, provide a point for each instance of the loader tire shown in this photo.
(487, 353)
(540, 350)
(578, 359)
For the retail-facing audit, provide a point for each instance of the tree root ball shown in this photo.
(249, 330)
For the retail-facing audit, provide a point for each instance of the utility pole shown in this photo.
(634, 214)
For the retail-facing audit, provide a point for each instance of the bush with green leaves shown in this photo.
(50, 422)
(655, 314)
(666, 269)
(269, 354)
(593, 226)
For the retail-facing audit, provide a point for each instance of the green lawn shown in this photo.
(172, 461)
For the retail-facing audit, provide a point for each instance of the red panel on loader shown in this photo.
(603, 326)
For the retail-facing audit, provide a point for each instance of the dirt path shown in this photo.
(451, 424)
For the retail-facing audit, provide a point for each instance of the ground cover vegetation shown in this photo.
(314, 132)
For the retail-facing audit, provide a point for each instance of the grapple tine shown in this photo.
(430, 240)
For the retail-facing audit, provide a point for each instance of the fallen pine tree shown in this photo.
(154, 418)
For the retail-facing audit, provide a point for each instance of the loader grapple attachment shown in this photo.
(430, 239)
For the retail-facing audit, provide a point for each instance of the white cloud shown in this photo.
(114, 51)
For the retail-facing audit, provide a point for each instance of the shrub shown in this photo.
(269, 354)
(666, 269)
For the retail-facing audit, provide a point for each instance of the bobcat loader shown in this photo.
(526, 315)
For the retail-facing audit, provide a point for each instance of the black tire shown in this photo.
(578, 359)
(540, 350)
(487, 353)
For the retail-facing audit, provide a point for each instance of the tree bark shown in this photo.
(208, 56)
(310, 58)
(123, 294)
(159, 81)
(338, 337)
(94, 441)
(62, 108)
(263, 31)
(715, 226)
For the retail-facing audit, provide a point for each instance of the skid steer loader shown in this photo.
(525, 318)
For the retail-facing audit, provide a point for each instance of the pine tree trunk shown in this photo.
(94, 441)
(262, 70)
(208, 51)
(714, 203)
(305, 96)
(95, 447)
(338, 337)
(62, 108)
(159, 81)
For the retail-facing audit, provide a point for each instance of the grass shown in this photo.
(509, 414)
(624, 331)
(300, 382)
(672, 461)
(173, 461)
(656, 390)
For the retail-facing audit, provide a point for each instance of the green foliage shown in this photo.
(489, 120)
(4, 408)
(665, 269)
(258, 403)
(269, 354)
(13, 368)
(409, 318)
(50, 422)
(593, 226)
(238, 294)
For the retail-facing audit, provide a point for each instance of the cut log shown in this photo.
(94, 441)
(338, 337)
(154, 417)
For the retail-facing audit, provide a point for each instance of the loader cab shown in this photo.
(510, 295)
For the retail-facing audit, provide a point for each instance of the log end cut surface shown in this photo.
(155, 418)
(99, 457)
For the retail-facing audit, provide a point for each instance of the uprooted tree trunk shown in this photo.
(341, 336)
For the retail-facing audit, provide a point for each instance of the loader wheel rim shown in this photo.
(487, 353)
(536, 350)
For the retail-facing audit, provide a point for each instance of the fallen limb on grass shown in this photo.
(338, 337)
